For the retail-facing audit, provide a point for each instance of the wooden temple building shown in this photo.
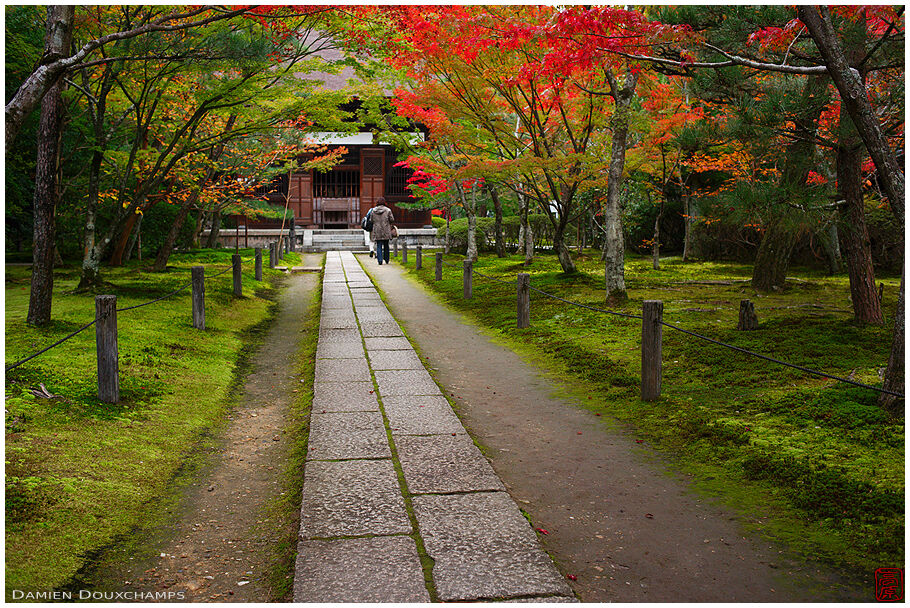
(340, 197)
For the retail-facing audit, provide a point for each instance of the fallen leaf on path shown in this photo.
(542, 531)
(571, 577)
(649, 516)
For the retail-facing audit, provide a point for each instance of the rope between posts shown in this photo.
(778, 361)
(87, 325)
(58, 343)
(699, 336)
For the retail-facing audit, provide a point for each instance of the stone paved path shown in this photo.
(399, 505)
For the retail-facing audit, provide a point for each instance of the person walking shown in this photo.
(382, 229)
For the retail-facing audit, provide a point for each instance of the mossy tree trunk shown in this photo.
(59, 33)
(773, 257)
(614, 246)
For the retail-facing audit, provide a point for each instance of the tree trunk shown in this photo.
(497, 223)
(91, 258)
(128, 254)
(687, 213)
(471, 210)
(773, 257)
(830, 238)
(216, 229)
(614, 246)
(655, 244)
(58, 35)
(448, 233)
(894, 373)
(526, 233)
(120, 248)
(866, 305)
(562, 251)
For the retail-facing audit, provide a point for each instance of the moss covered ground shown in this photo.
(80, 472)
(807, 460)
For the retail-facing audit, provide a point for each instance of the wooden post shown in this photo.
(198, 273)
(395, 248)
(438, 266)
(524, 300)
(238, 280)
(418, 263)
(258, 263)
(652, 313)
(404, 253)
(273, 256)
(468, 276)
(747, 318)
(106, 346)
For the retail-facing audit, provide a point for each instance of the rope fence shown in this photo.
(105, 320)
(652, 321)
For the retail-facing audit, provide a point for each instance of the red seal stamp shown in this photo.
(889, 585)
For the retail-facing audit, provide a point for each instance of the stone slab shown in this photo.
(374, 314)
(381, 569)
(342, 370)
(380, 329)
(339, 335)
(351, 498)
(421, 415)
(347, 435)
(405, 382)
(353, 284)
(396, 343)
(394, 359)
(339, 350)
(444, 463)
(483, 548)
(341, 320)
(344, 397)
(334, 302)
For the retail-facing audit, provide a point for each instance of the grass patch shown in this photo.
(81, 473)
(806, 460)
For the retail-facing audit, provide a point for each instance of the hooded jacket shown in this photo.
(382, 223)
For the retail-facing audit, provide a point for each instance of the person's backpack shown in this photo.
(367, 222)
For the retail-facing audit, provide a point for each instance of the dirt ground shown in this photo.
(616, 519)
(213, 544)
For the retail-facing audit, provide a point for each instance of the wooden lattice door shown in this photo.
(372, 178)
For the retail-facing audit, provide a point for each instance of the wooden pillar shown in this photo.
(258, 263)
(395, 248)
(438, 266)
(238, 279)
(418, 262)
(198, 273)
(652, 313)
(524, 300)
(467, 290)
(273, 256)
(404, 253)
(106, 346)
